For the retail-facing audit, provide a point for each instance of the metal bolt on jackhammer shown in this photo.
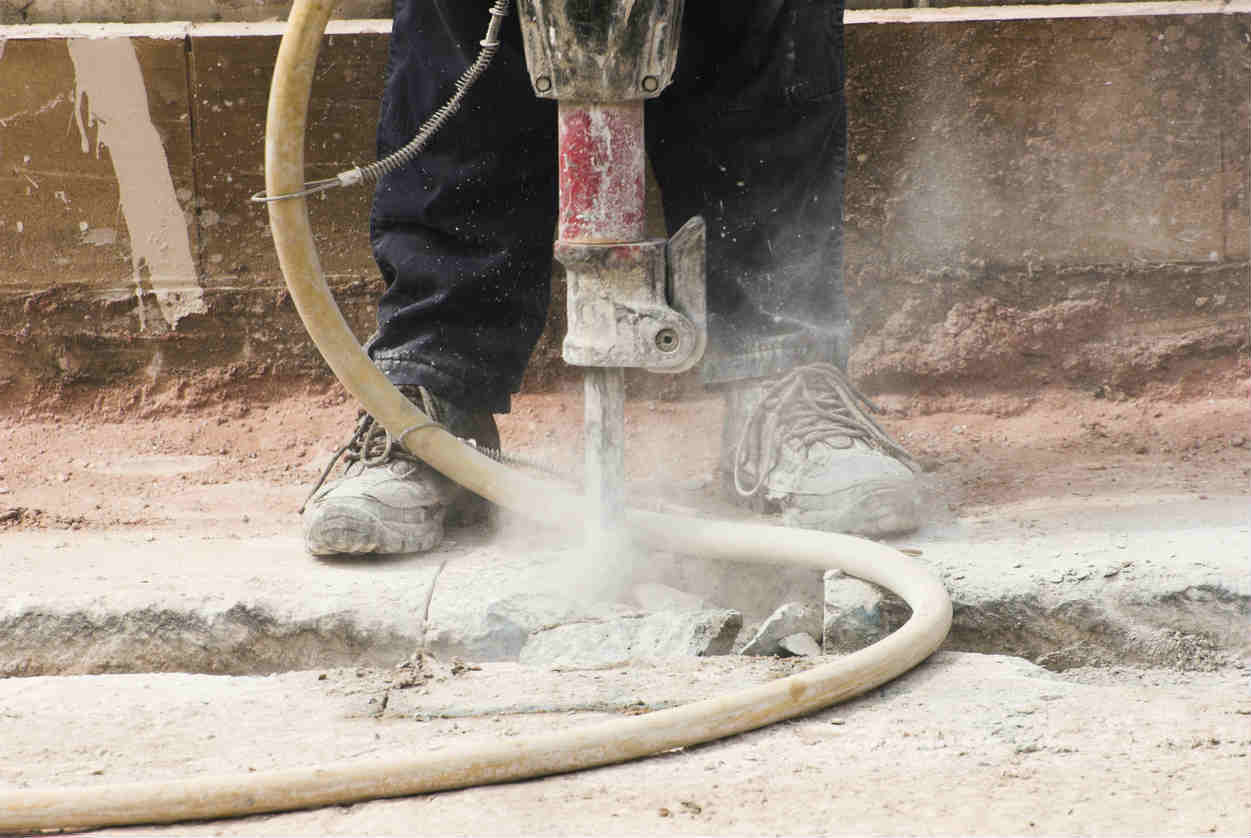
(667, 340)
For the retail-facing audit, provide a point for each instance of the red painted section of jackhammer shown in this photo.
(602, 173)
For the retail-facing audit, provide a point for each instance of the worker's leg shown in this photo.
(753, 135)
(463, 235)
(463, 238)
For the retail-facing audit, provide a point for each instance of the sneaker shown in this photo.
(387, 500)
(804, 445)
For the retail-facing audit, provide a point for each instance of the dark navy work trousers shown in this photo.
(751, 135)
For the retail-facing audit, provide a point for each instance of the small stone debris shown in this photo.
(853, 614)
(424, 666)
(791, 618)
(460, 667)
(800, 645)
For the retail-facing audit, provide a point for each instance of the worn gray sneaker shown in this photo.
(804, 445)
(387, 500)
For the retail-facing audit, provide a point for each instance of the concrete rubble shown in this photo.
(618, 641)
(501, 630)
(853, 615)
(800, 645)
(791, 618)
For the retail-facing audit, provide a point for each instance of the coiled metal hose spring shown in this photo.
(404, 155)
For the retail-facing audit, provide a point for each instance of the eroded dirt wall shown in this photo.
(96, 285)
(1029, 203)
(149, 11)
(1048, 201)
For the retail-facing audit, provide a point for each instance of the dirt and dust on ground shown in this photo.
(239, 449)
(1079, 531)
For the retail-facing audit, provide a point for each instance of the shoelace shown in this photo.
(813, 403)
(373, 445)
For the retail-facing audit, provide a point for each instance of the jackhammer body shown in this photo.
(632, 302)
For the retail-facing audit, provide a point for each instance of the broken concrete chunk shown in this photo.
(791, 618)
(697, 633)
(800, 644)
(853, 614)
(652, 596)
(497, 632)
(616, 641)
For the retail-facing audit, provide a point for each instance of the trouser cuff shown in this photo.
(778, 354)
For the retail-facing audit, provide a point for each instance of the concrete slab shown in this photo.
(139, 602)
(966, 744)
(1157, 580)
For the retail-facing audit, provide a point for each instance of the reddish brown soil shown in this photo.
(114, 458)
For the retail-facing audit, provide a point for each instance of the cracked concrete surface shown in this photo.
(1157, 580)
(965, 744)
(1059, 538)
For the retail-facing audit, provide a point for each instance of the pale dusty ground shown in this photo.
(965, 745)
(244, 464)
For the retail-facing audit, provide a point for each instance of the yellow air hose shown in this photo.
(513, 759)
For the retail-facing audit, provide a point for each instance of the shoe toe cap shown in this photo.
(856, 490)
(329, 532)
(821, 470)
(385, 516)
(875, 509)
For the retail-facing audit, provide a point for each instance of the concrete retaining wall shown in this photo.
(1041, 201)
